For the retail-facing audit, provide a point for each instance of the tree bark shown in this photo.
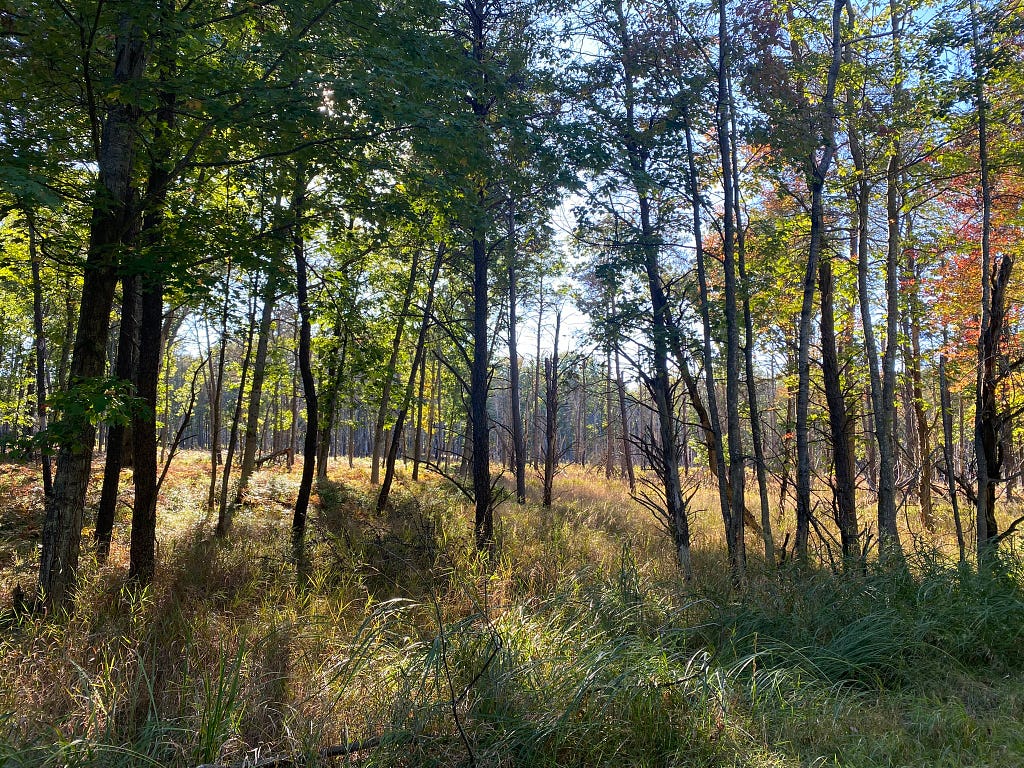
(518, 438)
(389, 372)
(421, 343)
(259, 369)
(297, 209)
(125, 370)
(112, 216)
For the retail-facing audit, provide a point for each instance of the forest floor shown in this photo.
(575, 645)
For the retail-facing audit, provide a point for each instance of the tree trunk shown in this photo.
(223, 508)
(112, 216)
(297, 210)
(817, 172)
(389, 372)
(627, 453)
(124, 370)
(737, 458)
(40, 350)
(396, 432)
(518, 438)
(840, 423)
(259, 371)
(551, 405)
(335, 372)
(483, 524)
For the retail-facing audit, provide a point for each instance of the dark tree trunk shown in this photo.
(840, 423)
(252, 419)
(297, 209)
(417, 445)
(389, 372)
(124, 370)
(483, 524)
(40, 349)
(817, 172)
(737, 458)
(224, 511)
(335, 372)
(396, 432)
(518, 438)
(142, 557)
(551, 405)
(112, 217)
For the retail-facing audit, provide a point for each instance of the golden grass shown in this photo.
(232, 653)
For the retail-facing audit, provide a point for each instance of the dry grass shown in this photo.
(576, 645)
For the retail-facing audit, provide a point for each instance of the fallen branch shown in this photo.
(337, 750)
(270, 457)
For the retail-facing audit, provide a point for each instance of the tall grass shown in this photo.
(577, 645)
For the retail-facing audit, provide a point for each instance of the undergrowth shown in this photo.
(575, 646)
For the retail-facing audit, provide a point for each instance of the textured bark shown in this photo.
(817, 172)
(112, 215)
(142, 557)
(125, 370)
(840, 423)
(994, 280)
(737, 458)
(309, 443)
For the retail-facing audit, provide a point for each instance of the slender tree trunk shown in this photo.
(627, 453)
(125, 370)
(921, 424)
(609, 418)
(250, 444)
(396, 432)
(947, 452)
(886, 487)
(389, 372)
(40, 349)
(224, 509)
(737, 458)
(840, 423)
(334, 375)
(483, 525)
(216, 392)
(748, 358)
(818, 169)
(297, 209)
(551, 405)
(518, 438)
(535, 439)
(417, 445)
(717, 457)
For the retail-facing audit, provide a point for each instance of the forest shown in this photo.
(511, 383)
